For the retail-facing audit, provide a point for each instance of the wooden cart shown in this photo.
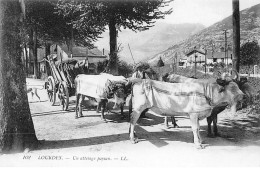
(60, 84)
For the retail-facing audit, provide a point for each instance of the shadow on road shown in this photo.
(58, 144)
(49, 113)
(158, 139)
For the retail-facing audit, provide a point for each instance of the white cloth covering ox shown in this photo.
(95, 85)
(172, 98)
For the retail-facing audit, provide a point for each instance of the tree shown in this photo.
(142, 66)
(83, 30)
(250, 54)
(101, 66)
(160, 63)
(52, 24)
(16, 125)
(125, 69)
(136, 15)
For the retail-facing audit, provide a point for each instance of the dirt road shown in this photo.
(87, 141)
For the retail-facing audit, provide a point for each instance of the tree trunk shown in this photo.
(113, 60)
(30, 56)
(47, 52)
(70, 46)
(71, 43)
(26, 60)
(16, 125)
(236, 35)
(36, 70)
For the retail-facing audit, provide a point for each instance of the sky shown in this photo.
(206, 12)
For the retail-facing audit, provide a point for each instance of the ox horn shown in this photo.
(236, 76)
(219, 74)
(222, 75)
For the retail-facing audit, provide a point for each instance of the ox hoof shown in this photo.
(200, 146)
(166, 127)
(134, 140)
(104, 120)
(176, 126)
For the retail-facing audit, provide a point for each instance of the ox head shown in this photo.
(229, 89)
(164, 77)
(117, 91)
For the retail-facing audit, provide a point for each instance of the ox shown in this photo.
(195, 100)
(101, 88)
(241, 82)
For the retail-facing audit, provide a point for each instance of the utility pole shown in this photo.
(236, 35)
(195, 61)
(225, 32)
(131, 54)
(205, 61)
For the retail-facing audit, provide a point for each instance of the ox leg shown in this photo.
(79, 104)
(195, 129)
(134, 118)
(130, 109)
(81, 100)
(103, 108)
(166, 125)
(98, 105)
(215, 128)
(174, 122)
(122, 111)
(209, 121)
(233, 108)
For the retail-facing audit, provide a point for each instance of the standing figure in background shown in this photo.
(139, 73)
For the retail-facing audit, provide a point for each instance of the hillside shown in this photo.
(149, 42)
(214, 36)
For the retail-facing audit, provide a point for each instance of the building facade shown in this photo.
(195, 56)
(219, 56)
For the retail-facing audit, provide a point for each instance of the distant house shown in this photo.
(183, 61)
(81, 53)
(195, 56)
(219, 56)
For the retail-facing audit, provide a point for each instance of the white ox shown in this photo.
(195, 100)
(242, 83)
(100, 88)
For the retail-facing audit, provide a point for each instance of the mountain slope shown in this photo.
(146, 43)
(213, 36)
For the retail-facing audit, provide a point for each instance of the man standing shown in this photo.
(140, 73)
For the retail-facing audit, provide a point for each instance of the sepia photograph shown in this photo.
(130, 83)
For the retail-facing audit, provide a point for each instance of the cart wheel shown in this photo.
(51, 90)
(64, 95)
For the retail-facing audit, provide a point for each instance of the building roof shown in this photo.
(183, 57)
(194, 51)
(82, 51)
(218, 54)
